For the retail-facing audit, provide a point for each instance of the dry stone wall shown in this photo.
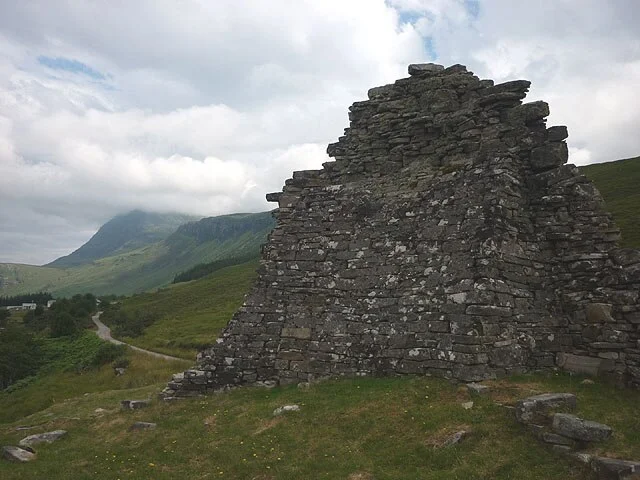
(448, 237)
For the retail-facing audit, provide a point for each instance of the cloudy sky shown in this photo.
(203, 106)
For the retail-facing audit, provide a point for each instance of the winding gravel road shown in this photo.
(104, 333)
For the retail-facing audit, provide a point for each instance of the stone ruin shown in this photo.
(449, 237)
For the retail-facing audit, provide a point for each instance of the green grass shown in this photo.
(49, 390)
(191, 314)
(347, 429)
(17, 278)
(618, 183)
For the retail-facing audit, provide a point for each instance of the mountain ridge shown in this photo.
(123, 233)
(152, 265)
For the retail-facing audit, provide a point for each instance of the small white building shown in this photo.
(50, 303)
(29, 306)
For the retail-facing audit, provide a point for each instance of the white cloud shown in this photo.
(206, 106)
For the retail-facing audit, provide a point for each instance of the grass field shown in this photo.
(619, 183)
(362, 429)
(53, 388)
(191, 314)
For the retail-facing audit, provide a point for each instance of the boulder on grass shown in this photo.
(17, 454)
(614, 469)
(536, 409)
(48, 437)
(285, 409)
(134, 404)
(578, 429)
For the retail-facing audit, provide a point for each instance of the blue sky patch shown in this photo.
(70, 65)
(430, 47)
(473, 7)
(409, 16)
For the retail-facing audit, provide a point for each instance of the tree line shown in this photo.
(41, 298)
(43, 338)
(204, 269)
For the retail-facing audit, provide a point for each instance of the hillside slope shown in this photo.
(350, 429)
(124, 233)
(148, 267)
(189, 315)
(619, 183)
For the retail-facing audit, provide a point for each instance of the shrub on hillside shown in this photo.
(121, 362)
(80, 353)
(4, 316)
(108, 353)
(20, 355)
(128, 325)
(63, 324)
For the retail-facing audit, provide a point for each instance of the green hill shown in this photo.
(124, 233)
(619, 184)
(188, 316)
(150, 266)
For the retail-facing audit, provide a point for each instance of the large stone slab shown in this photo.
(579, 429)
(424, 68)
(536, 409)
(47, 437)
(599, 313)
(17, 454)
(614, 469)
(134, 404)
(584, 365)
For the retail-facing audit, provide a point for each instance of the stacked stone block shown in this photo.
(448, 238)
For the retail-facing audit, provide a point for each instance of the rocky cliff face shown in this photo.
(448, 238)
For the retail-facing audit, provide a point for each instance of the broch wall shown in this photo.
(448, 238)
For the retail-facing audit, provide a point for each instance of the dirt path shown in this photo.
(104, 333)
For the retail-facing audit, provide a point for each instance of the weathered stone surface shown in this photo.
(424, 68)
(48, 437)
(143, 426)
(613, 469)
(557, 133)
(583, 364)
(549, 156)
(301, 333)
(456, 438)
(536, 409)
(17, 454)
(556, 439)
(576, 428)
(447, 237)
(599, 313)
(134, 404)
(285, 409)
(478, 389)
